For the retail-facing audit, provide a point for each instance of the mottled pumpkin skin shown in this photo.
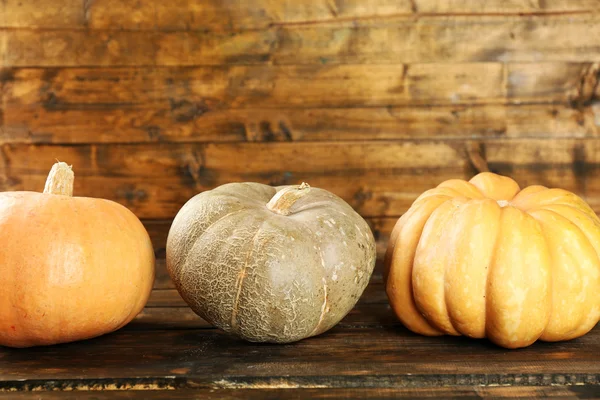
(71, 268)
(486, 259)
(268, 277)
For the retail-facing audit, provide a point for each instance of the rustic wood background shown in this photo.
(377, 101)
(153, 101)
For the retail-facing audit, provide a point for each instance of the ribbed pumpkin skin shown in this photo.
(486, 259)
(71, 268)
(268, 277)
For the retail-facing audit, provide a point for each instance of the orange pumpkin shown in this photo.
(486, 259)
(70, 267)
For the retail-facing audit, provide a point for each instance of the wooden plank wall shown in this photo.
(154, 101)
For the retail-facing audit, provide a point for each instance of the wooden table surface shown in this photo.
(169, 352)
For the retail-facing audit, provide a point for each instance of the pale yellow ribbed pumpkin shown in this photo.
(486, 259)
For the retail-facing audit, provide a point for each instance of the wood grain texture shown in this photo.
(208, 358)
(504, 7)
(376, 101)
(42, 14)
(255, 14)
(376, 178)
(400, 40)
(191, 123)
(194, 91)
(168, 347)
(460, 392)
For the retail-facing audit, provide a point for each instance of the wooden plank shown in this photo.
(155, 180)
(78, 48)
(261, 86)
(441, 40)
(42, 14)
(402, 40)
(342, 357)
(255, 14)
(503, 6)
(103, 391)
(376, 178)
(216, 15)
(155, 318)
(192, 92)
(33, 124)
(51, 48)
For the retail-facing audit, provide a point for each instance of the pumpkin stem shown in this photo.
(285, 198)
(60, 180)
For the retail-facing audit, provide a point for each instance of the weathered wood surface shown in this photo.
(370, 354)
(294, 103)
(460, 392)
(194, 91)
(376, 178)
(189, 122)
(261, 103)
(298, 103)
(410, 40)
(255, 14)
(377, 101)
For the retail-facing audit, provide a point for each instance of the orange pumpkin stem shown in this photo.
(60, 180)
(285, 198)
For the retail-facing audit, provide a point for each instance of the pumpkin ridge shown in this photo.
(452, 221)
(389, 257)
(451, 184)
(325, 297)
(489, 271)
(318, 205)
(488, 182)
(241, 276)
(223, 191)
(519, 199)
(579, 210)
(191, 243)
(447, 215)
(323, 309)
(590, 240)
(595, 221)
(412, 267)
(134, 308)
(561, 196)
(579, 271)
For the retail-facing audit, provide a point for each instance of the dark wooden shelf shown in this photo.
(369, 355)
